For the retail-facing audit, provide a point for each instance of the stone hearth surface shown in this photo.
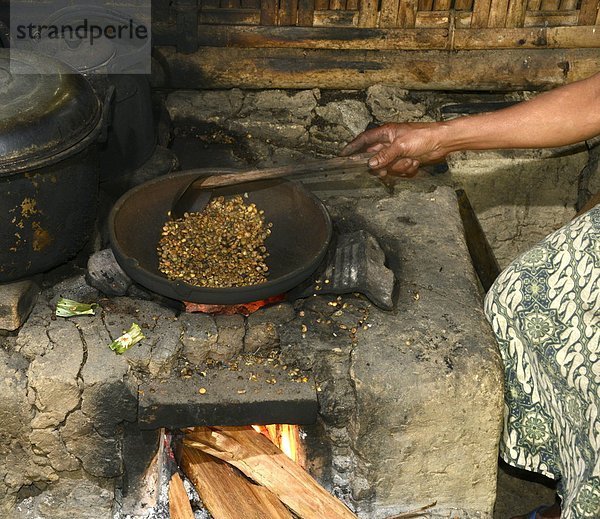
(409, 400)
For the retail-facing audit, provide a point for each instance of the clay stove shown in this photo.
(392, 404)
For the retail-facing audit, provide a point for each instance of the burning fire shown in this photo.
(243, 309)
(286, 437)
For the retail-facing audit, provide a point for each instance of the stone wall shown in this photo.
(520, 196)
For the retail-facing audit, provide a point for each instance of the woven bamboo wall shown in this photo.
(419, 44)
(475, 14)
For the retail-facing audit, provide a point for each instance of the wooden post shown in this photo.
(367, 16)
(516, 13)
(268, 12)
(306, 12)
(389, 13)
(588, 12)
(498, 13)
(407, 13)
(481, 13)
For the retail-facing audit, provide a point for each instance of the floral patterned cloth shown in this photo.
(545, 312)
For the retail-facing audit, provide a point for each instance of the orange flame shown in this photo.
(286, 437)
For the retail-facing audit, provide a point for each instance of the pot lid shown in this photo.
(47, 110)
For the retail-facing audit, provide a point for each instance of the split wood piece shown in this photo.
(225, 492)
(263, 462)
(179, 503)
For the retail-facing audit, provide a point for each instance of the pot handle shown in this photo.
(107, 112)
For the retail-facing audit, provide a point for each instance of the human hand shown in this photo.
(401, 148)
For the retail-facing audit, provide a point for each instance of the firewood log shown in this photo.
(260, 460)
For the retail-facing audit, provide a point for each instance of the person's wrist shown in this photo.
(444, 138)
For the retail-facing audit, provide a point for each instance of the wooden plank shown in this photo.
(388, 16)
(179, 503)
(209, 4)
(550, 5)
(349, 38)
(463, 5)
(567, 5)
(256, 457)
(551, 19)
(425, 5)
(367, 13)
(534, 5)
(432, 19)
(588, 12)
(212, 67)
(407, 13)
(498, 13)
(352, 5)
(306, 12)
(516, 13)
(226, 493)
(231, 17)
(528, 38)
(230, 4)
(442, 5)
(250, 4)
(334, 19)
(268, 12)
(322, 38)
(481, 13)
(322, 5)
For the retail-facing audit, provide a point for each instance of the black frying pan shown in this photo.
(299, 240)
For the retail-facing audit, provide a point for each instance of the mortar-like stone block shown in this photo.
(16, 301)
(237, 394)
(392, 104)
(412, 400)
(199, 337)
(53, 378)
(100, 456)
(106, 275)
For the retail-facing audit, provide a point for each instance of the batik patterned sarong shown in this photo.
(545, 312)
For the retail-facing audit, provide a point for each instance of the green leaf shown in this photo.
(127, 340)
(70, 308)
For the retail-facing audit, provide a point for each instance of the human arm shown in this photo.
(562, 116)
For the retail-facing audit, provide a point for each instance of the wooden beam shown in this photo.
(256, 457)
(350, 38)
(225, 492)
(528, 38)
(514, 69)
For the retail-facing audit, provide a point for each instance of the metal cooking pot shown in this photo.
(50, 118)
